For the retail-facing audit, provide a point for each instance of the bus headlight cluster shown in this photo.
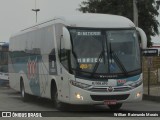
(80, 85)
(136, 84)
(139, 94)
(79, 96)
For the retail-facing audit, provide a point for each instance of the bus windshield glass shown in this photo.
(105, 53)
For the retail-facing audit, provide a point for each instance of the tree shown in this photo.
(147, 12)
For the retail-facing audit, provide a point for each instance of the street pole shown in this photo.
(135, 13)
(36, 10)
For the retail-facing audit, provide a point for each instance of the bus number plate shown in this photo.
(99, 83)
(110, 102)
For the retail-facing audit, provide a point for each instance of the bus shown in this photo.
(86, 59)
(4, 80)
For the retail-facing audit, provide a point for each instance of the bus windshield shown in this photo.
(105, 53)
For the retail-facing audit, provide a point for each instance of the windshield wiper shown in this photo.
(97, 64)
(119, 63)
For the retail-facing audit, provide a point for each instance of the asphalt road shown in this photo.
(10, 100)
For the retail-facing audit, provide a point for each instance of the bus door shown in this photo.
(64, 83)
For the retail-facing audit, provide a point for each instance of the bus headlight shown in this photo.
(136, 84)
(80, 85)
(138, 94)
(79, 96)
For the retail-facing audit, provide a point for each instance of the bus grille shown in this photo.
(116, 89)
(109, 97)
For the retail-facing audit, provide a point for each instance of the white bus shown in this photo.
(86, 59)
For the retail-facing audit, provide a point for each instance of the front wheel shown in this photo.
(115, 107)
(58, 104)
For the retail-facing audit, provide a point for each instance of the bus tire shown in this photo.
(24, 95)
(58, 104)
(115, 107)
(54, 96)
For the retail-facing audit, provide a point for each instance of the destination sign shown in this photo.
(150, 52)
(89, 33)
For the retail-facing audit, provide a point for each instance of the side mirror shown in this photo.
(66, 38)
(143, 38)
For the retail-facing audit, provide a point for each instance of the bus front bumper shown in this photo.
(81, 96)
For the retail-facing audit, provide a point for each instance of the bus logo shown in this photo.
(32, 68)
(110, 89)
(121, 81)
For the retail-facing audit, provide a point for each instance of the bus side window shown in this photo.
(63, 54)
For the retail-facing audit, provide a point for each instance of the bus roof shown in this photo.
(91, 20)
(98, 21)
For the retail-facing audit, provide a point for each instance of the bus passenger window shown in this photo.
(63, 54)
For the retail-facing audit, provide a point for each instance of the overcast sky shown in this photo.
(16, 14)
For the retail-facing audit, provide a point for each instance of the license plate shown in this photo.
(110, 102)
(99, 83)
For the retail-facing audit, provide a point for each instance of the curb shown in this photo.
(151, 98)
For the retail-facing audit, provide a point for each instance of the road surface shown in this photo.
(10, 100)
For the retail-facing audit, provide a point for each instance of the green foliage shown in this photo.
(147, 12)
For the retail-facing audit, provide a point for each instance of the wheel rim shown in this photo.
(22, 91)
(56, 97)
(57, 102)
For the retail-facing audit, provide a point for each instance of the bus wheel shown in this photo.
(58, 104)
(115, 107)
(25, 96)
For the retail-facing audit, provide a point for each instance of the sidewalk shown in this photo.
(154, 93)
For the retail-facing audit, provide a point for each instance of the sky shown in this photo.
(16, 15)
